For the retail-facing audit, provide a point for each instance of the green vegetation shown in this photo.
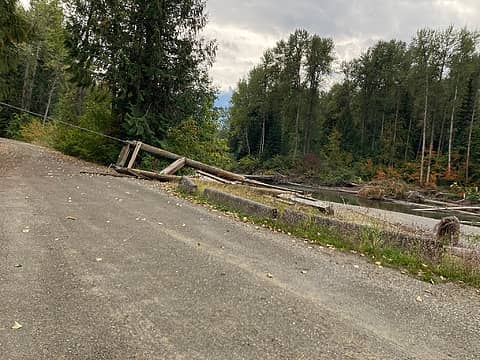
(141, 73)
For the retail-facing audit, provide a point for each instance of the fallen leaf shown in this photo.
(18, 265)
(378, 263)
(71, 218)
(17, 326)
(419, 299)
(303, 272)
(269, 275)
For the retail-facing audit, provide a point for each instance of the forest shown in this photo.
(139, 70)
(402, 110)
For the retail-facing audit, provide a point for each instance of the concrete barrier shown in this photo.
(352, 232)
(188, 186)
(357, 233)
(247, 206)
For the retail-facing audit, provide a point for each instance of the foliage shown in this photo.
(150, 55)
(402, 109)
(199, 142)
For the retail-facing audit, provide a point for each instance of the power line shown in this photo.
(63, 122)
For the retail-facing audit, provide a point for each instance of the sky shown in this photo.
(244, 29)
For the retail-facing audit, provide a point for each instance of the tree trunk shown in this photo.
(440, 139)
(26, 77)
(297, 135)
(262, 140)
(469, 145)
(430, 152)
(247, 142)
(308, 120)
(424, 134)
(49, 102)
(31, 82)
(394, 140)
(80, 100)
(450, 137)
(408, 139)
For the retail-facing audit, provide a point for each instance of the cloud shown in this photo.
(245, 28)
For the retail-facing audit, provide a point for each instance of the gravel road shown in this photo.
(97, 267)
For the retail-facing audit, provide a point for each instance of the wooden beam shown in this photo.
(134, 155)
(192, 163)
(148, 174)
(174, 167)
(215, 178)
(123, 156)
(320, 205)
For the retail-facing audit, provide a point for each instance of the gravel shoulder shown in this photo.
(115, 268)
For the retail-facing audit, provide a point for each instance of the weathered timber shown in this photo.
(260, 184)
(192, 163)
(100, 173)
(123, 156)
(215, 178)
(470, 223)
(321, 206)
(309, 188)
(275, 179)
(134, 155)
(174, 167)
(450, 208)
(148, 174)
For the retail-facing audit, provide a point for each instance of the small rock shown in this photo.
(269, 275)
(419, 299)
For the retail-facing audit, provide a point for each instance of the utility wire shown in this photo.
(63, 122)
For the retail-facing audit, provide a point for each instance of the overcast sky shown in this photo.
(244, 29)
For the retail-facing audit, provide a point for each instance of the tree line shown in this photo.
(405, 109)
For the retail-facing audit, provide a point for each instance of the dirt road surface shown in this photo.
(97, 267)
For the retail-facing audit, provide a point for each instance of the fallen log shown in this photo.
(192, 163)
(215, 178)
(322, 188)
(174, 167)
(446, 209)
(470, 223)
(260, 184)
(450, 208)
(321, 206)
(148, 174)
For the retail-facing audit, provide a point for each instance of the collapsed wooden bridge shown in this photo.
(129, 153)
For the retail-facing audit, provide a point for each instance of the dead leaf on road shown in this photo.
(419, 299)
(270, 276)
(71, 218)
(17, 326)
